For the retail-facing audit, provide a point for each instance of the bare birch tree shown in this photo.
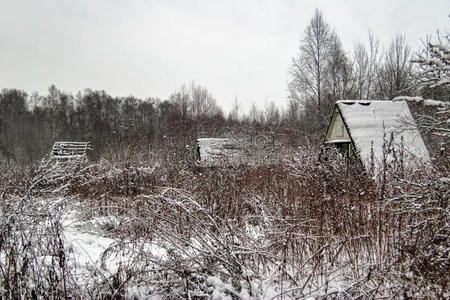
(309, 68)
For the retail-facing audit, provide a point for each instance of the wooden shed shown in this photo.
(219, 151)
(70, 150)
(365, 128)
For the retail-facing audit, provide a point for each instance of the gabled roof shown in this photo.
(371, 123)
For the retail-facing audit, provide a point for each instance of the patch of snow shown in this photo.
(445, 180)
(221, 290)
(86, 248)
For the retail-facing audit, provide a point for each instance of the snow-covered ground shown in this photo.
(92, 254)
(87, 248)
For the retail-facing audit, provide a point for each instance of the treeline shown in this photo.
(30, 124)
(321, 73)
(117, 126)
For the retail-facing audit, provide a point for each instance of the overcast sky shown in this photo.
(237, 49)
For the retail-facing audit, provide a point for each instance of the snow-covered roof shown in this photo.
(217, 151)
(70, 150)
(371, 123)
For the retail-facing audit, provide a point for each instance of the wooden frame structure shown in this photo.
(70, 150)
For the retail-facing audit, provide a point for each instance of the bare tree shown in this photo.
(203, 103)
(309, 68)
(366, 64)
(361, 66)
(394, 77)
(373, 61)
(180, 100)
(255, 115)
(340, 74)
(272, 113)
(233, 115)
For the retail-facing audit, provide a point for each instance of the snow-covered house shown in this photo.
(219, 151)
(363, 127)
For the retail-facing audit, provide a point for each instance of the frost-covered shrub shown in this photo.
(420, 231)
(13, 179)
(304, 228)
(33, 260)
(283, 224)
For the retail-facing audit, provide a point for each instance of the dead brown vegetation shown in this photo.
(304, 224)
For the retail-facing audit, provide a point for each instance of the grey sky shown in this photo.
(149, 48)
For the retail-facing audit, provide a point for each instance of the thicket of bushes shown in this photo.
(296, 229)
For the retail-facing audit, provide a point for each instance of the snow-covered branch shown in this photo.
(434, 64)
(424, 102)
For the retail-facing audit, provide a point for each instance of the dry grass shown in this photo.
(303, 224)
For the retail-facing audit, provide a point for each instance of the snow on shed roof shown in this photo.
(374, 121)
(70, 150)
